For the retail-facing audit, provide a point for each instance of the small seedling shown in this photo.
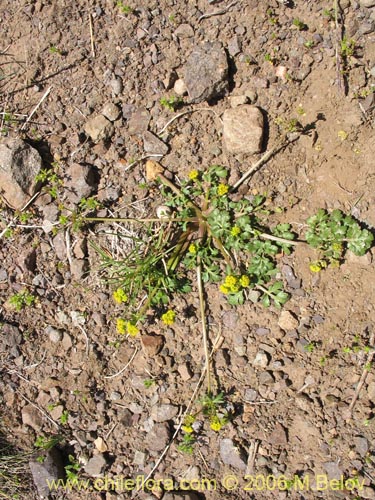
(309, 44)
(148, 382)
(124, 9)
(347, 47)
(72, 468)
(21, 300)
(55, 50)
(171, 103)
(51, 180)
(333, 234)
(301, 26)
(44, 443)
(64, 417)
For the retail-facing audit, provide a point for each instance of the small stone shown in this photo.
(262, 331)
(78, 268)
(3, 275)
(238, 100)
(266, 378)
(19, 165)
(111, 111)
(243, 129)
(180, 87)
(287, 321)
(95, 466)
(371, 391)
(234, 47)
(333, 470)
(206, 72)
(361, 445)
(116, 86)
(54, 335)
(138, 122)
(367, 3)
(99, 128)
(56, 412)
(47, 471)
(67, 342)
(163, 412)
(230, 319)
(368, 493)
(184, 371)
(139, 458)
(186, 495)
(261, 360)
(115, 396)
(157, 438)
(27, 260)
(152, 344)
(231, 455)
(32, 417)
(81, 182)
(250, 395)
(184, 31)
(291, 279)
(278, 436)
(153, 145)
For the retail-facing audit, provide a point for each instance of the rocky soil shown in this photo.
(84, 92)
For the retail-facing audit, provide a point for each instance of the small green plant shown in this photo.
(347, 47)
(51, 179)
(55, 50)
(124, 9)
(309, 44)
(64, 417)
(47, 443)
(148, 382)
(22, 299)
(272, 18)
(333, 234)
(310, 347)
(171, 103)
(301, 26)
(72, 468)
(211, 407)
(329, 14)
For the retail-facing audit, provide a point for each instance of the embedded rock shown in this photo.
(243, 129)
(206, 72)
(46, 471)
(99, 128)
(19, 166)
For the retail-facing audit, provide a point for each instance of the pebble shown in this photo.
(262, 331)
(185, 372)
(206, 72)
(231, 455)
(184, 31)
(238, 100)
(111, 111)
(163, 412)
(291, 279)
(157, 438)
(278, 436)
(186, 495)
(361, 445)
(54, 335)
(19, 165)
(138, 121)
(116, 86)
(234, 47)
(139, 458)
(367, 3)
(99, 128)
(180, 87)
(333, 470)
(78, 268)
(230, 319)
(32, 417)
(95, 466)
(152, 344)
(243, 129)
(153, 145)
(287, 321)
(261, 359)
(266, 378)
(250, 395)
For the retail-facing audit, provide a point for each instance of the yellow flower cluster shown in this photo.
(188, 424)
(193, 248)
(120, 296)
(222, 189)
(124, 326)
(235, 231)
(216, 424)
(193, 175)
(232, 284)
(168, 317)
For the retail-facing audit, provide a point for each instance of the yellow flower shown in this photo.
(187, 428)
(193, 248)
(222, 189)
(224, 289)
(131, 329)
(121, 326)
(216, 424)
(235, 231)
(244, 281)
(193, 175)
(120, 296)
(315, 267)
(168, 317)
(230, 281)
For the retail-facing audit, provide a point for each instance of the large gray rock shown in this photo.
(19, 165)
(243, 129)
(206, 72)
(46, 471)
(231, 455)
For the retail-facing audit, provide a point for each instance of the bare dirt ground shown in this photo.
(61, 358)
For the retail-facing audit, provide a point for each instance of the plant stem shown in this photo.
(204, 324)
(280, 240)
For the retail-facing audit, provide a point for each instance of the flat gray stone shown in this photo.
(81, 182)
(95, 466)
(367, 3)
(46, 471)
(99, 128)
(19, 165)
(206, 72)
(231, 455)
(157, 438)
(138, 122)
(243, 129)
(163, 412)
(153, 145)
